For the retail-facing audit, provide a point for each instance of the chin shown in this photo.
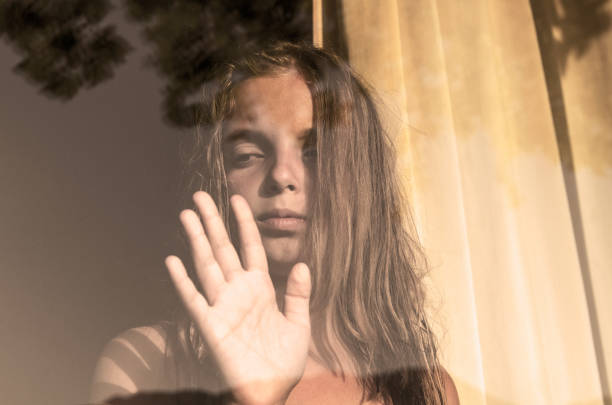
(282, 254)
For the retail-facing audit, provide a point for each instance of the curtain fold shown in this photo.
(520, 263)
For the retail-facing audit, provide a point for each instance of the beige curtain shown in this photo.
(512, 194)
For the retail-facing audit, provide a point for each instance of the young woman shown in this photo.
(306, 282)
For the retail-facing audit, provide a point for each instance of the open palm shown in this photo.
(260, 351)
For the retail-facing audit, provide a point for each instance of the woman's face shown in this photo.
(269, 160)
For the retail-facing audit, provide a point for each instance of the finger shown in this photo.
(222, 247)
(207, 269)
(297, 295)
(194, 302)
(251, 249)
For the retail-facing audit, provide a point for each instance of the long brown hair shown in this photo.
(366, 266)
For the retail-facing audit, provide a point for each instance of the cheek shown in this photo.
(243, 183)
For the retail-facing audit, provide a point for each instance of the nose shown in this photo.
(286, 172)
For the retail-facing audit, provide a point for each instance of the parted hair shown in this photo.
(366, 264)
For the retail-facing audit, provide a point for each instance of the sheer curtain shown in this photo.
(502, 113)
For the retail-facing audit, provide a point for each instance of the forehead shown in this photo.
(280, 99)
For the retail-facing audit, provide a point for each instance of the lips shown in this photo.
(280, 213)
(281, 220)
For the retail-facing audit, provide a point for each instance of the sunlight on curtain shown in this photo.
(520, 263)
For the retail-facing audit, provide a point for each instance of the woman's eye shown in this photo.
(246, 158)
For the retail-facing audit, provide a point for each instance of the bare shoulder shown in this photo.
(132, 361)
(450, 390)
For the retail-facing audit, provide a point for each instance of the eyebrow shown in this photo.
(258, 136)
(244, 135)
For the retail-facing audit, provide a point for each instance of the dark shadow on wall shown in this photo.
(563, 31)
(190, 37)
(574, 24)
(66, 47)
(64, 44)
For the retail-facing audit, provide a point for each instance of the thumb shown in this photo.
(297, 295)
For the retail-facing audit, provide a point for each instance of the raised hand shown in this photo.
(260, 351)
